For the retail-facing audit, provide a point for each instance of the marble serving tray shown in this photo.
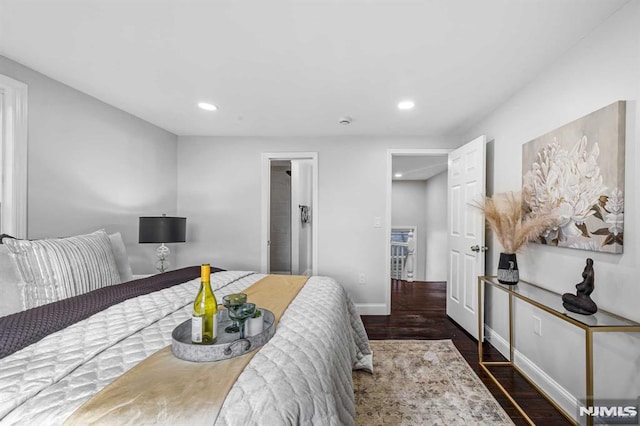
(228, 345)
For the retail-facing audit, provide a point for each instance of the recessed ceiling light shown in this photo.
(406, 105)
(398, 175)
(207, 106)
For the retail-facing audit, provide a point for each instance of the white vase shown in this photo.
(254, 326)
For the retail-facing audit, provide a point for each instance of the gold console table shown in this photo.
(550, 302)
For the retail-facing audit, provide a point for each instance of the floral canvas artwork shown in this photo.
(576, 172)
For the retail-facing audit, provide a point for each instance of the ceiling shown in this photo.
(295, 67)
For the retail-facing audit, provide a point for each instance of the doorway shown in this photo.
(466, 175)
(413, 179)
(289, 213)
(280, 223)
(13, 167)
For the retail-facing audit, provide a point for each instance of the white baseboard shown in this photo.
(497, 341)
(371, 309)
(557, 393)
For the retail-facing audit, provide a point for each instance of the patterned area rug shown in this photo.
(423, 382)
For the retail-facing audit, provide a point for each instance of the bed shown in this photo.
(301, 376)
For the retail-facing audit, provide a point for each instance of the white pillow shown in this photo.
(55, 269)
(10, 284)
(120, 255)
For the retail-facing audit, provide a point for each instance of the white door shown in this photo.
(301, 230)
(466, 226)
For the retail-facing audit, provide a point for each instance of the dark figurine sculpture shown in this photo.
(582, 303)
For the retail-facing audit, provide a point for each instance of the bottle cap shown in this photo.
(205, 272)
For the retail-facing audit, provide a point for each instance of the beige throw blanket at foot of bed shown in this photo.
(165, 389)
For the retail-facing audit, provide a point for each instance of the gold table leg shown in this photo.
(589, 376)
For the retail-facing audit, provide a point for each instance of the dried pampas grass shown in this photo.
(504, 215)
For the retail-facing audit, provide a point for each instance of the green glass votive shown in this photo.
(235, 299)
(230, 302)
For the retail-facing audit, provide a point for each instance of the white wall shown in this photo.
(436, 228)
(601, 69)
(93, 166)
(408, 208)
(221, 199)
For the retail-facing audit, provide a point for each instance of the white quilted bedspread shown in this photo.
(302, 376)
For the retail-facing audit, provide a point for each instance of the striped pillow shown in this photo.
(55, 269)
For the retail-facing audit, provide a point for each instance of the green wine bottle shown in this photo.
(205, 307)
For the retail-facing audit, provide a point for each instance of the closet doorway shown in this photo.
(280, 226)
(289, 213)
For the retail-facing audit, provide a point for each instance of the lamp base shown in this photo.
(163, 253)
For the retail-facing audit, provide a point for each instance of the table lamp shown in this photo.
(162, 229)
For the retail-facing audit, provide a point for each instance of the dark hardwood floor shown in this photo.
(418, 311)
